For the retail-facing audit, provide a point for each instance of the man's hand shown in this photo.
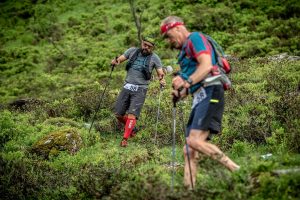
(115, 61)
(162, 82)
(179, 83)
(178, 95)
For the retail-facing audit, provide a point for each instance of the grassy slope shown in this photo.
(73, 70)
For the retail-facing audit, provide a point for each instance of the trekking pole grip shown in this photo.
(176, 98)
(113, 65)
(161, 87)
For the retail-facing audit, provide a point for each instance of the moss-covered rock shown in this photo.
(62, 140)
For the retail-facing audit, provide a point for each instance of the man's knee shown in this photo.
(197, 141)
(192, 142)
(131, 116)
(188, 150)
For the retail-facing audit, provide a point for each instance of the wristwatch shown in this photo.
(190, 81)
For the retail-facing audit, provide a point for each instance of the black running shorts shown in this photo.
(130, 102)
(208, 110)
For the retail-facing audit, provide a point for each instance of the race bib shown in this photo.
(131, 87)
(198, 97)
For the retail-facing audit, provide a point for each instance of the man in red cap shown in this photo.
(196, 59)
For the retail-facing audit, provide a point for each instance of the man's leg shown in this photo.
(121, 119)
(121, 105)
(137, 99)
(130, 123)
(190, 163)
(198, 141)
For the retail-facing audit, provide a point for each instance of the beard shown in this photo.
(145, 52)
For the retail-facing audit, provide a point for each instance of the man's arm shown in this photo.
(161, 76)
(159, 70)
(203, 68)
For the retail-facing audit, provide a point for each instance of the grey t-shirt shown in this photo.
(135, 74)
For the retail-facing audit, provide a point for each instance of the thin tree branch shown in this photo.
(137, 20)
(56, 47)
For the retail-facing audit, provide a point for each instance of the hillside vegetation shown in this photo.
(55, 64)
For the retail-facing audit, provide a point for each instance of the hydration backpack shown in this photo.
(145, 70)
(222, 67)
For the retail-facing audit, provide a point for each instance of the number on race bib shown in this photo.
(198, 97)
(131, 87)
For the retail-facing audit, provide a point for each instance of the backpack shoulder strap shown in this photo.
(133, 58)
(217, 48)
(148, 61)
(146, 70)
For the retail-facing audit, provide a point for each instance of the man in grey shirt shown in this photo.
(141, 62)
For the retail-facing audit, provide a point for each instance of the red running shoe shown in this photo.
(123, 143)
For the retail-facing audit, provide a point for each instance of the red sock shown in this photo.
(129, 127)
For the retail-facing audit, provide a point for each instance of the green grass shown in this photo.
(58, 53)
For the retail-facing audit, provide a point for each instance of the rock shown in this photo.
(283, 56)
(62, 140)
(286, 171)
(294, 58)
(25, 104)
(266, 156)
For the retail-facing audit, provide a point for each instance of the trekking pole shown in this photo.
(186, 145)
(101, 99)
(175, 99)
(158, 111)
(168, 69)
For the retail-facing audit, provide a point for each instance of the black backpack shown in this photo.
(145, 70)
